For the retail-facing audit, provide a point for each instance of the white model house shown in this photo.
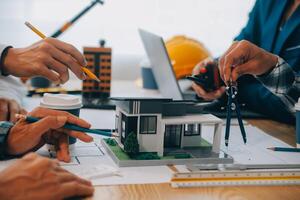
(162, 124)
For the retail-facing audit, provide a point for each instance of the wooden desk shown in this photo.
(165, 191)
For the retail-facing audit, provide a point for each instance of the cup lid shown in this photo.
(61, 101)
(297, 105)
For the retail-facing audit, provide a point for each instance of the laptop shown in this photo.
(162, 69)
(169, 87)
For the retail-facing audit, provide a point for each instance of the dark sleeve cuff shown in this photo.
(4, 131)
(3, 56)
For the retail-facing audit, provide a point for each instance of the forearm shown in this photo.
(283, 82)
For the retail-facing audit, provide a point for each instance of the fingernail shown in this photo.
(61, 119)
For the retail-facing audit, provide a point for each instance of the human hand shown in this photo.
(35, 177)
(9, 108)
(200, 91)
(24, 137)
(49, 57)
(243, 57)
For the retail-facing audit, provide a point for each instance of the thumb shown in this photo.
(47, 123)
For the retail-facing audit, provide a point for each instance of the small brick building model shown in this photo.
(99, 62)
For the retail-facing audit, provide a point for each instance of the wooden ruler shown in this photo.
(236, 178)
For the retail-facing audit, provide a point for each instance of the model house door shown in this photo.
(172, 136)
(128, 125)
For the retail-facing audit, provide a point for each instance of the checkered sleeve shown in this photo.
(284, 83)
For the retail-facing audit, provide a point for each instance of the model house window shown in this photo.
(148, 125)
(117, 124)
(123, 129)
(192, 129)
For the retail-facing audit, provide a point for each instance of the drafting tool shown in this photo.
(72, 21)
(222, 167)
(285, 149)
(232, 105)
(70, 126)
(86, 70)
(236, 178)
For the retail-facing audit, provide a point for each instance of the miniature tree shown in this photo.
(131, 145)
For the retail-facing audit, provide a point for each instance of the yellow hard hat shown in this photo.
(185, 53)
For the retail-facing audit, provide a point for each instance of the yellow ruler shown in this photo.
(236, 178)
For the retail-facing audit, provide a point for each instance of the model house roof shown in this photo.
(163, 106)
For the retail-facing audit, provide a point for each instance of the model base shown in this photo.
(197, 156)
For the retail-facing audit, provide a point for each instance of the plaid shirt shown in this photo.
(284, 83)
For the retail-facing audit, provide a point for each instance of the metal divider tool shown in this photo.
(232, 105)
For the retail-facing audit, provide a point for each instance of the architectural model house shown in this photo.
(163, 125)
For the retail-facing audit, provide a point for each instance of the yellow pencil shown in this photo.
(39, 33)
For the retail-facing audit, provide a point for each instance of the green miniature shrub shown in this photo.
(147, 156)
(182, 156)
(111, 142)
(131, 145)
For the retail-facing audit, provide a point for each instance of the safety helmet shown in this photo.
(185, 53)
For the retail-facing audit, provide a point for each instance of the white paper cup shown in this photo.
(63, 102)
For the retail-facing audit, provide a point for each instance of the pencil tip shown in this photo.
(270, 148)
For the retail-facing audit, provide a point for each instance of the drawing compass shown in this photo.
(232, 105)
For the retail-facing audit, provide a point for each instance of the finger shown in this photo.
(49, 74)
(23, 111)
(242, 69)
(60, 68)
(75, 188)
(80, 135)
(218, 93)
(69, 62)
(4, 110)
(222, 59)
(76, 134)
(70, 50)
(231, 60)
(42, 112)
(14, 109)
(199, 90)
(45, 124)
(66, 176)
(62, 152)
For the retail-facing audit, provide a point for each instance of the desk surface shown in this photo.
(165, 191)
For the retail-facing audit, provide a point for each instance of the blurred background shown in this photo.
(213, 22)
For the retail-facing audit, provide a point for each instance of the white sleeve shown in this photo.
(12, 88)
(2, 47)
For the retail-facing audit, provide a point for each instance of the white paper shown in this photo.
(255, 151)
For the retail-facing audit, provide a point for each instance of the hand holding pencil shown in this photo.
(50, 58)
